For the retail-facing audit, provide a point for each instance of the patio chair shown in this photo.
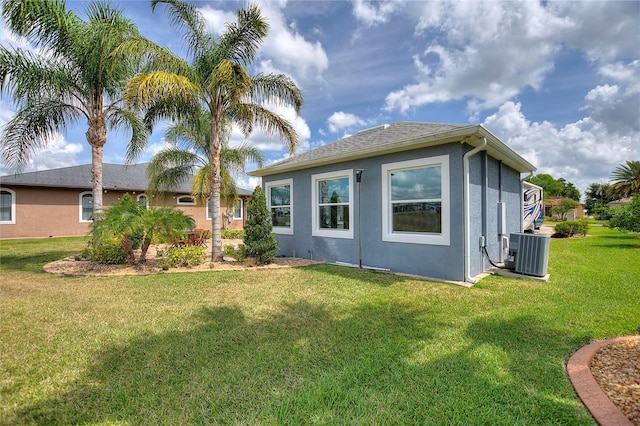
(201, 237)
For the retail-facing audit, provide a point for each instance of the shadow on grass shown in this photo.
(368, 276)
(31, 263)
(306, 364)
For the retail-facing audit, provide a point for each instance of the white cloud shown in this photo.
(342, 120)
(582, 152)
(290, 50)
(57, 153)
(284, 46)
(485, 64)
(371, 14)
(217, 19)
(605, 30)
(616, 105)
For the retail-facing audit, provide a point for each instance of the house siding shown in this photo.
(44, 212)
(489, 182)
(437, 261)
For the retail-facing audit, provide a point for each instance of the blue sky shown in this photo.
(557, 81)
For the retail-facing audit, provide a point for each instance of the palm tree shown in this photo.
(216, 80)
(77, 77)
(190, 152)
(127, 218)
(625, 180)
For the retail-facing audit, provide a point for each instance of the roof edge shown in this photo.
(403, 145)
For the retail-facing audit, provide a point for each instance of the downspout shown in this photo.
(522, 200)
(467, 214)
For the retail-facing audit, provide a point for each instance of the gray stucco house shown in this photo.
(415, 198)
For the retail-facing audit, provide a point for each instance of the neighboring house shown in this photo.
(415, 198)
(552, 202)
(58, 202)
(619, 203)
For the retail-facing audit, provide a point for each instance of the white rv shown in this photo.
(533, 207)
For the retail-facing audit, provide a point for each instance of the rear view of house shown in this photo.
(428, 199)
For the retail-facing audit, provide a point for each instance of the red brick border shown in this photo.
(592, 396)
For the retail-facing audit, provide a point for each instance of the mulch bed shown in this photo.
(616, 368)
(72, 267)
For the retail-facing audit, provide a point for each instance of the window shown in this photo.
(186, 200)
(143, 201)
(236, 214)
(86, 206)
(415, 201)
(279, 198)
(7, 206)
(332, 204)
(237, 209)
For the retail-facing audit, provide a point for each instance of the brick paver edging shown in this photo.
(592, 396)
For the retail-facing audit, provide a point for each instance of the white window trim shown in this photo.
(443, 238)
(285, 230)
(146, 206)
(82, 194)
(13, 207)
(207, 216)
(316, 231)
(233, 208)
(185, 203)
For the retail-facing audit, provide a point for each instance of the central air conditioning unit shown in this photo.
(528, 254)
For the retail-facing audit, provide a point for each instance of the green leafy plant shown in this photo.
(130, 223)
(185, 256)
(232, 234)
(239, 253)
(571, 228)
(110, 254)
(259, 240)
(627, 217)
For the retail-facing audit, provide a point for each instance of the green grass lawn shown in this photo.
(316, 345)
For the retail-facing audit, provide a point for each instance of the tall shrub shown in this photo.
(259, 240)
(627, 217)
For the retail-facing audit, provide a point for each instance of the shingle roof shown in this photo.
(396, 137)
(114, 177)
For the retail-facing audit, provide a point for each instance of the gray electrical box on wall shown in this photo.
(528, 254)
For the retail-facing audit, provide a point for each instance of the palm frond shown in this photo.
(44, 23)
(248, 115)
(118, 117)
(169, 169)
(145, 90)
(276, 89)
(242, 39)
(26, 76)
(625, 180)
(183, 15)
(32, 128)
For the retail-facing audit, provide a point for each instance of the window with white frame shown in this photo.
(237, 209)
(236, 214)
(332, 204)
(186, 200)
(415, 201)
(280, 203)
(86, 206)
(7, 206)
(143, 200)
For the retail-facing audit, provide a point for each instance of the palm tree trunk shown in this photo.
(146, 242)
(128, 249)
(97, 136)
(216, 142)
(96, 177)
